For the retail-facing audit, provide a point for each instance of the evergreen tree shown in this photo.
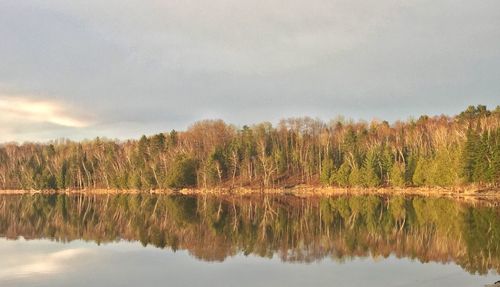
(469, 155)
(356, 177)
(183, 173)
(134, 181)
(386, 163)
(481, 172)
(62, 179)
(397, 175)
(341, 177)
(495, 165)
(420, 176)
(443, 168)
(327, 170)
(370, 170)
(433, 151)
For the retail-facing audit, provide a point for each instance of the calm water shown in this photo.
(147, 240)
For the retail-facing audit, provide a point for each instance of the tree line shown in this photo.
(428, 151)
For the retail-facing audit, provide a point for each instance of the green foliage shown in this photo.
(215, 168)
(397, 175)
(62, 179)
(433, 151)
(421, 175)
(183, 173)
(472, 113)
(134, 181)
(495, 165)
(341, 177)
(173, 138)
(327, 171)
(482, 169)
(371, 170)
(386, 163)
(158, 144)
(444, 168)
(50, 181)
(411, 164)
(356, 177)
(480, 157)
(469, 155)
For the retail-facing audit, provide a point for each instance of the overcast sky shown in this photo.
(122, 68)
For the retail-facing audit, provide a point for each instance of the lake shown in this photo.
(258, 240)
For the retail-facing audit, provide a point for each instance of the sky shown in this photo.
(123, 68)
(81, 264)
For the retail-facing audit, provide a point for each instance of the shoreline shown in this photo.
(299, 191)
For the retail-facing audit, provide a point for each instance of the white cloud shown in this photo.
(14, 109)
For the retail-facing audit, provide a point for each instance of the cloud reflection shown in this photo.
(29, 265)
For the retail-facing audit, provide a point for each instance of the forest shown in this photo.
(444, 151)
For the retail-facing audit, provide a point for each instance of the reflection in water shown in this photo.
(295, 229)
(26, 266)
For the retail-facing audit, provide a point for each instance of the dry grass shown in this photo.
(301, 191)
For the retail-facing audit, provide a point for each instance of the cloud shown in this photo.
(41, 264)
(14, 109)
(150, 66)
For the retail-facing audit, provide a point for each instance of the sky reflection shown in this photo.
(79, 263)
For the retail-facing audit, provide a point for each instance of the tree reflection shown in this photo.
(295, 229)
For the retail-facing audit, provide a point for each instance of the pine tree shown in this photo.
(356, 177)
(397, 175)
(134, 181)
(481, 160)
(469, 155)
(327, 169)
(62, 178)
(386, 162)
(495, 165)
(411, 164)
(420, 177)
(443, 168)
(341, 177)
(370, 170)
(183, 173)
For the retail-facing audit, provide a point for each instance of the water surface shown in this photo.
(151, 240)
